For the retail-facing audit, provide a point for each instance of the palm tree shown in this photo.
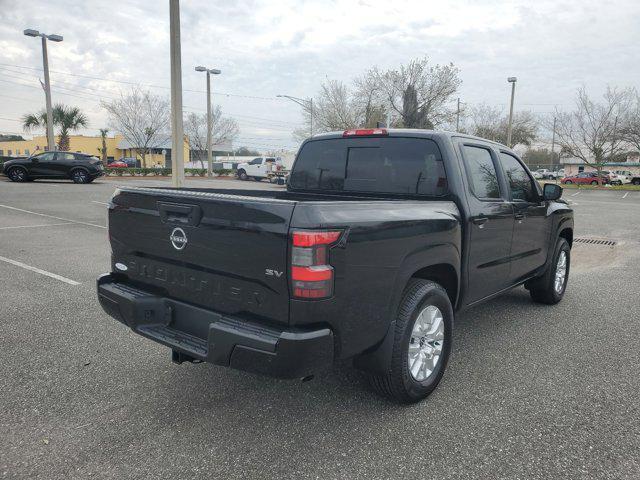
(67, 118)
(103, 150)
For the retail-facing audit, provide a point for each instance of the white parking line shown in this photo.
(34, 226)
(51, 216)
(625, 195)
(574, 194)
(38, 270)
(101, 203)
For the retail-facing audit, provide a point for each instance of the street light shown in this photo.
(304, 103)
(210, 71)
(177, 128)
(29, 32)
(512, 81)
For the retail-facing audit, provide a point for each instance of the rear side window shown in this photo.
(482, 172)
(380, 165)
(519, 181)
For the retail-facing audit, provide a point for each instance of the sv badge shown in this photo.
(273, 273)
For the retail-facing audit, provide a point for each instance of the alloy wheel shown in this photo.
(561, 272)
(426, 343)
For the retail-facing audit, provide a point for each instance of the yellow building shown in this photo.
(117, 147)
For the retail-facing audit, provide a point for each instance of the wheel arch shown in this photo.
(440, 264)
(567, 234)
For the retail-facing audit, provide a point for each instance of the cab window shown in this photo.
(520, 183)
(481, 171)
(44, 157)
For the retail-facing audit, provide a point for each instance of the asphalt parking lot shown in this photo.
(531, 391)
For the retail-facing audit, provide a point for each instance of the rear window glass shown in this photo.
(382, 165)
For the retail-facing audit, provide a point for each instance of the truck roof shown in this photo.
(414, 132)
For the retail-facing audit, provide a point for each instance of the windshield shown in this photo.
(381, 165)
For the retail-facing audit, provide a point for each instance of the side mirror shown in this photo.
(551, 191)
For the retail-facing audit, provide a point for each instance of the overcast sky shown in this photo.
(265, 48)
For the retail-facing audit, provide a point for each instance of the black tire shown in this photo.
(17, 174)
(242, 175)
(568, 182)
(542, 289)
(636, 181)
(595, 182)
(80, 175)
(398, 383)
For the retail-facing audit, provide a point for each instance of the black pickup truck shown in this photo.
(380, 236)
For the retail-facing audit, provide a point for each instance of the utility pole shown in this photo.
(458, 117)
(177, 129)
(311, 120)
(553, 142)
(51, 144)
(512, 81)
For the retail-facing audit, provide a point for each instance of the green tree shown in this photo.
(103, 149)
(66, 118)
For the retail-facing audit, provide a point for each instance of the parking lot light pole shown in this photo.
(51, 145)
(512, 81)
(177, 128)
(210, 71)
(304, 103)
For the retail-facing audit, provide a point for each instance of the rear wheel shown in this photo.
(636, 181)
(17, 174)
(595, 182)
(550, 287)
(242, 175)
(421, 344)
(80, 175)
(568, 182)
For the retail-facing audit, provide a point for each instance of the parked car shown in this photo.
(586, 178)
(117, 164)
(543, 173)
(379, 238)
(131, 162)
(79, 167)
(621, 177)
(258, 168)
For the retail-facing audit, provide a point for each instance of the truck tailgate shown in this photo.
(224, 252)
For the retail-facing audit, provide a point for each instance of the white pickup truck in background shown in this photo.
(259, 168)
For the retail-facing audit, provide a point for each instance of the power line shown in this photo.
(227, 94)
(86, 95)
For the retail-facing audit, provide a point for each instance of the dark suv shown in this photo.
(79, 167)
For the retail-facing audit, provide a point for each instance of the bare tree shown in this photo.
(142, 118)
(593, 132)
(419, 93)
(631, 129)
(492, 123)
(333, 109)
(223, 129)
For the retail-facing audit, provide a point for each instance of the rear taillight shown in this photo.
(311, 274)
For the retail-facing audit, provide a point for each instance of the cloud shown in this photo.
(289, 47)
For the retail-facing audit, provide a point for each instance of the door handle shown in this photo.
(480, 220)
(178, 213)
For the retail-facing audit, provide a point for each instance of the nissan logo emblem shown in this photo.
(178, 238)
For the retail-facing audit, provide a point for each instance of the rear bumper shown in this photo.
(215, 338)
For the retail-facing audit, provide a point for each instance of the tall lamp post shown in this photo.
(512, 81)
(210, 71)
(177, 128)
(304, 103)
(51, 145)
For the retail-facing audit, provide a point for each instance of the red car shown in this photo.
(586, 178)
(117, 164)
